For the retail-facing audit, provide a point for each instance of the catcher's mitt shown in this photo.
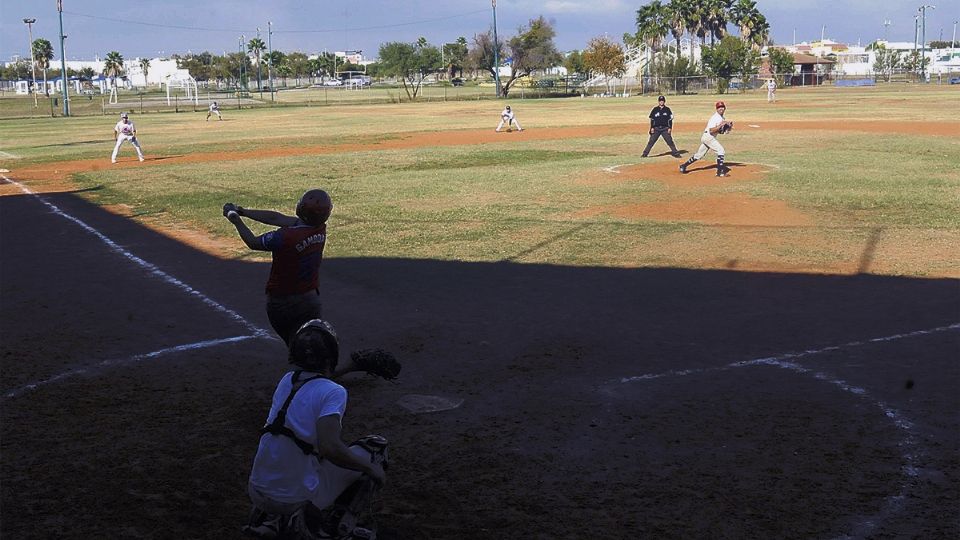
(377, 362)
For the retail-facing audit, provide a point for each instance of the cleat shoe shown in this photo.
(675, 154)
(683, 168)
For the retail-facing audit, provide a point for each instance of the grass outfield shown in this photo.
(828, 199)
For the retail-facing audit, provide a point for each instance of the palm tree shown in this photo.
(145, 66)
(696, 26)
(744, 13)
(43, 53)
(679, 11)
(715, 15)
(257, 46)
(653, 24)
(113, 65)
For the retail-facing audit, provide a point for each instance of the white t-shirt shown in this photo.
(281, 470)
(771, 85)
(214, 107)
(507, 114)
(125, 129)
(714, 121)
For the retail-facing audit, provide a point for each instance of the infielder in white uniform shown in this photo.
(125, 131)
(214, 109)
(507, 117)
(771, 91)
(708, 141)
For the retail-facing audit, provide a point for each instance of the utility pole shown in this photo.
(886, 30)
(270, 57)
(63, 64)
(33, 61)
(953, 42)
(496, 51)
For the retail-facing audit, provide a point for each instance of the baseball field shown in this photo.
(616, 350)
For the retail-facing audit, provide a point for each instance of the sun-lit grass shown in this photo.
(524, 200)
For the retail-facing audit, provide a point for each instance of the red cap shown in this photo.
(721, 104)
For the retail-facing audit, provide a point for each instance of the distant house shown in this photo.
(811, 69)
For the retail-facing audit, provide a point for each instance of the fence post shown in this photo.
(141, 103)
(176, 104)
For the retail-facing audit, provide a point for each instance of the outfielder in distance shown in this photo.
(507, 117)
(661, 125)
(293, 294)
(717, 125)
(125, 131)
(214, 109)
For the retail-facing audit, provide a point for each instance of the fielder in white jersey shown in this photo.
(507, 117)
(214, 109)
(771, 91)
(125, 131)
(717, 125)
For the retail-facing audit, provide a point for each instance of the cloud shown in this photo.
(583, 6)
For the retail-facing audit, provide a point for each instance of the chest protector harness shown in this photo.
(279, 424)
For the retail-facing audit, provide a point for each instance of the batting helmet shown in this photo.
(721, 104)
(314, 207)
(315, 346)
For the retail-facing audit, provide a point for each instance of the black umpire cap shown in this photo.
(661, 98)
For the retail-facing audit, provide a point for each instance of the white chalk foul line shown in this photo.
(8, 155)
(150, 267)
(909, 447)
(128, 360)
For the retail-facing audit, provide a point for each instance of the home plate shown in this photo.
(419, 404)
(753, 125)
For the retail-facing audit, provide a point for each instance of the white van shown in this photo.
(359, 80)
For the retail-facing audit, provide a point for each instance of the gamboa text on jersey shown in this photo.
(311, 240)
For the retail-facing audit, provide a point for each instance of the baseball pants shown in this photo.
(288, 313)
(509, 123)
(708, 142)
(657, 133)
(133, 141)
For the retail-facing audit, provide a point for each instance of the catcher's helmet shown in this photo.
(314, 207)
(721, 104)
(315, 346)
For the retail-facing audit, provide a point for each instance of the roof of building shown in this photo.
(799, 58)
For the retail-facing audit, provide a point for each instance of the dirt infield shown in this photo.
(597, 402)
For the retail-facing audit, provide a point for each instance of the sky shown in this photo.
(160, 28)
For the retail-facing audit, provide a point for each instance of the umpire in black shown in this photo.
(661, 125)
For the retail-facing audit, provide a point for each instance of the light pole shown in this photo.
(270, 57)
(923, 39)
(33, 62)
(259, 86)
(63, 64)
(953, 42)
(886, 28)
(496, 51)
(242, 62)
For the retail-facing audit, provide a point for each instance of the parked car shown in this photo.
(457, 81)
(955, 80)
(359, 80)
(333, 82)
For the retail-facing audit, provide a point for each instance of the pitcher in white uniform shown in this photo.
(125, 131)
(717, 125)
